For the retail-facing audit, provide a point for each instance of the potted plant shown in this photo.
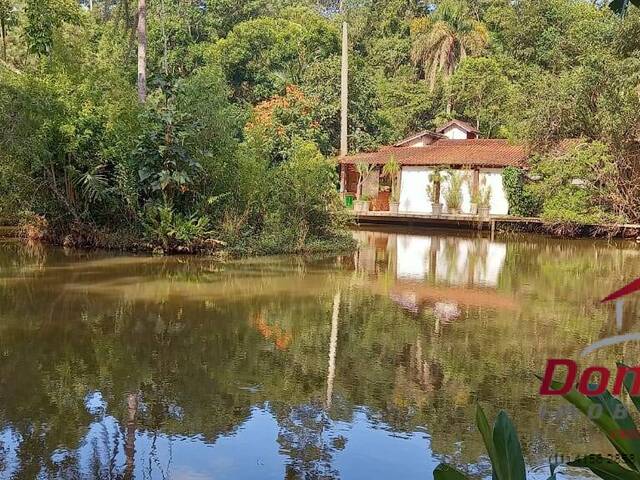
(364, 170)
(391, 169)
(365, 203)
(453, 195)
(484, 201)
(475, 199)
(433, 190)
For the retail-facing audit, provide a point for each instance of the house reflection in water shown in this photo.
(451, 260)
(436, 272)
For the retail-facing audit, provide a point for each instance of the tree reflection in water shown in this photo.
(142, 367)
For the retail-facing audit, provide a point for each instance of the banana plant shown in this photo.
(503, 447)
(614, 420)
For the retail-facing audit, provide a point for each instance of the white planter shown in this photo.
(361, 206)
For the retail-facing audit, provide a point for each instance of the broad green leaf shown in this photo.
(485, 431)
(509, 460)
(628, 384)
(605, 423)
(605, 468)
(615, 409)
(445, 472)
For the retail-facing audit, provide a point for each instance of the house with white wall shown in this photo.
(453, 147)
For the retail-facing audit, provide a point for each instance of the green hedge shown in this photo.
(521, 201)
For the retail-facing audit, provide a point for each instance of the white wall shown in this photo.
(413, 190)
(455, 133)
(493, 177)
(414, 198)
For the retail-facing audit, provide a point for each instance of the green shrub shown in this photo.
(522, 201)
(578, 186)
(172, 231)
(453, 195)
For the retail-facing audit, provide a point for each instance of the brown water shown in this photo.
(360, 366)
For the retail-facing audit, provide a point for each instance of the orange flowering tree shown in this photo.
(276, 122)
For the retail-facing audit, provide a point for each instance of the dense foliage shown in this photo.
(521, 200)
(243, 108)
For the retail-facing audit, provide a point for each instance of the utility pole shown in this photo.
(344, 84)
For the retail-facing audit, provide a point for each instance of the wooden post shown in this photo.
(475, 184)
(343, 179)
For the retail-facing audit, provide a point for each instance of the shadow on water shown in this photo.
(115, 366)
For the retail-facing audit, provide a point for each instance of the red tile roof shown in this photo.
(474, 152)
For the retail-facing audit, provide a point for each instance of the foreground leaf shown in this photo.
(628, 385)
(509, 460)
(485, 431)
(605, 468)
(445, 472)
(605, 422)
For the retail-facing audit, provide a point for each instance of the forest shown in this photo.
(232, 135)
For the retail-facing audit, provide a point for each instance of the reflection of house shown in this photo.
(454, 145)
(438, 273)
(457, 261)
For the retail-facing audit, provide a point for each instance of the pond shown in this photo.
(367, 365)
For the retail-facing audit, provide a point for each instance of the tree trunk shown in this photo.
(165, 61)
(3, 30)
(142, 50)
(344, 88)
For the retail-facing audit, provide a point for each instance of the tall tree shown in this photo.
(142, 50)
(445, 38)
(6, 11)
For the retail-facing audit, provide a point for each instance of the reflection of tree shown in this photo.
(303, 439)
(130, 435)
(197, 363)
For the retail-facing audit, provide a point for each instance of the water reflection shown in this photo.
(331, 367)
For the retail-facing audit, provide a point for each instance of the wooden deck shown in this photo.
(443, 220)
(473, 222)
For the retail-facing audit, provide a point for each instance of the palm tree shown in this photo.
(444, 39)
